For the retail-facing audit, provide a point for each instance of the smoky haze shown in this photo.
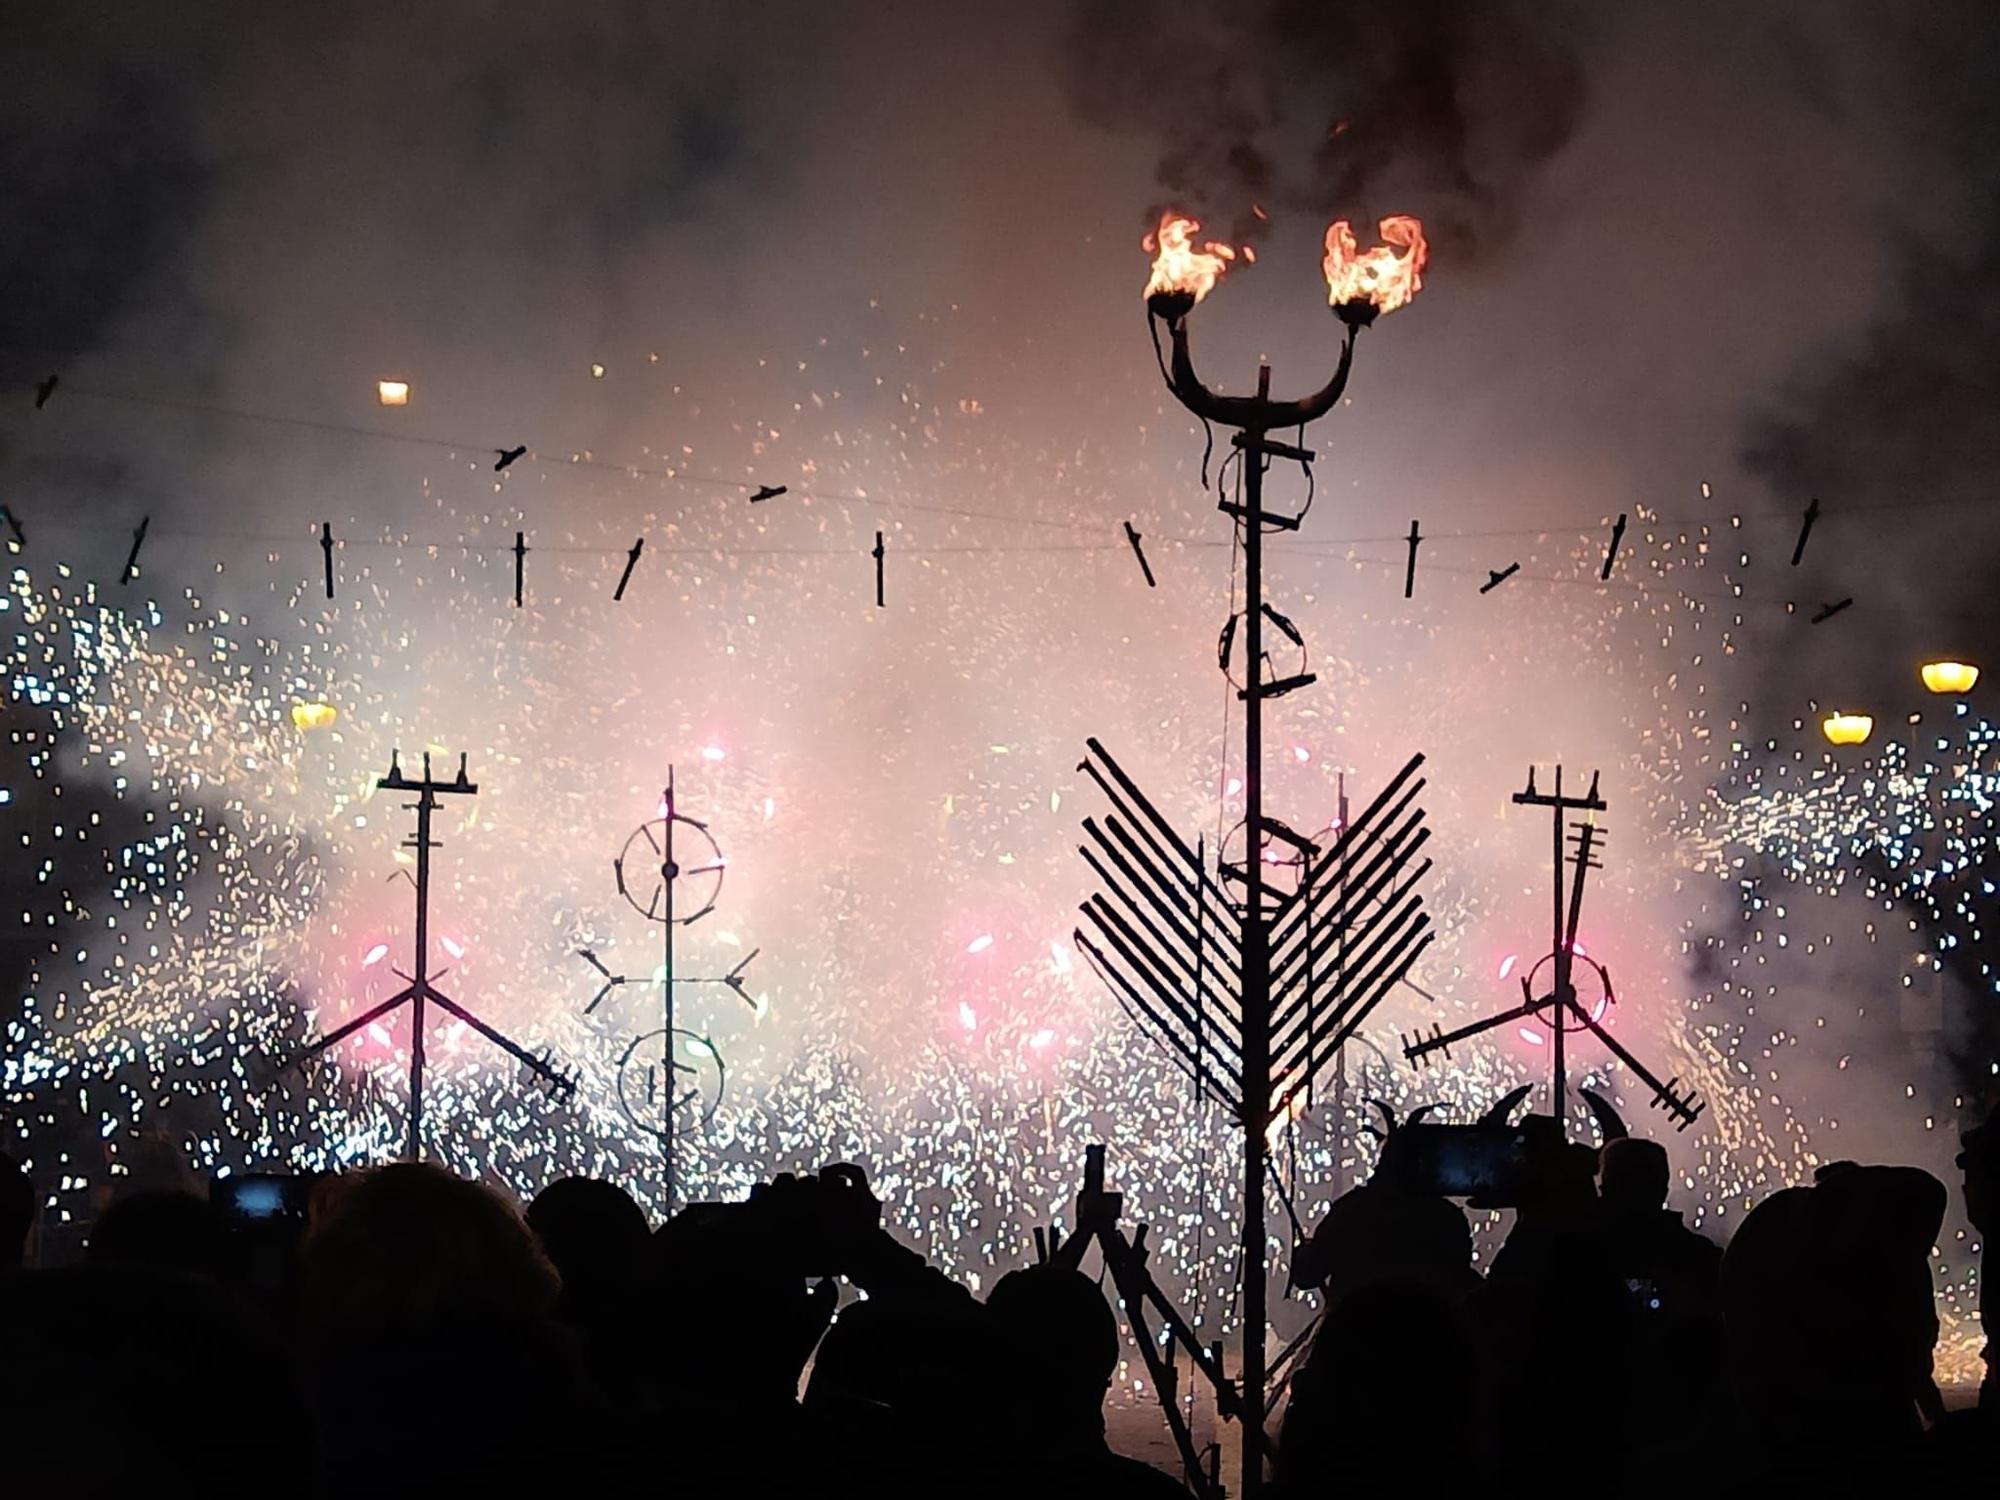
(895, 250)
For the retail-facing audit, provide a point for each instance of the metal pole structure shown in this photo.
(420, 991)
(420, 985)
(1559, 1106)
(1254, 417)
(1359, 288)
(1256, 955)
(669, 873)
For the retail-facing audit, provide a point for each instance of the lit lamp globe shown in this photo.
(1950, 676)
(1847, 729)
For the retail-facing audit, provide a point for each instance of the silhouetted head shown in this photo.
(1891, 1213)
(169, 1231)
(17, 1211)
(1633, 1174)
(411, 1250)
(1832, 1317)
(595, 1235)
(1376, 1233)
(1057, 1320)
(921, 1385)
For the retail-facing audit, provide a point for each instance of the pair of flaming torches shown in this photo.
(1360, 284)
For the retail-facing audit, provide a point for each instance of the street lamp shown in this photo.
(1361, 285)
(1950, 676)
(1847, 729)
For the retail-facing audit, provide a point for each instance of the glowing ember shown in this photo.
(1178, 267)
(393, 392)
(1379, 277)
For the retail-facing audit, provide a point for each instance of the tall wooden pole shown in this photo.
(1256, 960)
(669, 872)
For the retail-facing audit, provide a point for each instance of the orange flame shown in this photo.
(1177, 265)
(1380, 275)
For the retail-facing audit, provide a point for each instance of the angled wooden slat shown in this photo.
(1395, 930)
(1156, 976)
(1361, 938)
(1389, 870)
(1333, 1038)
(1217, 1085)
(1158, 830)
(1348, 852)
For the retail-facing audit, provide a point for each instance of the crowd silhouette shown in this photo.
(399, 1329)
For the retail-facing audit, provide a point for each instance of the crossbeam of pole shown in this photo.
(1332, 1032)
(1159, 979)
(1399, 932)
(1390, 864)
(1127, 797)
(1443, 1041)
(1144, 878)
(1126, 991)
(1685, 1109)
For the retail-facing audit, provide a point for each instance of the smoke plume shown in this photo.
(1438, 109)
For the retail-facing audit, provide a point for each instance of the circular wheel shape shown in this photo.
(645, 873)
(697, 1083)
(1545, 1000)
(1270, 670)
(1284, 867)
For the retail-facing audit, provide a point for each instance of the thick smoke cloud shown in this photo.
(1905, 417)
(100, 185)
(1435, 108)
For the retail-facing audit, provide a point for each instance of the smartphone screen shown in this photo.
(259, 1199)
(1461, 1161)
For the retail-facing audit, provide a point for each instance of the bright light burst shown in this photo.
(211, 886)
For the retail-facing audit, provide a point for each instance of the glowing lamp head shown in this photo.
(1950, 676)
(1847, 729)
(307, 717)
(1183, 273)
(1360, 284)
(393, 392)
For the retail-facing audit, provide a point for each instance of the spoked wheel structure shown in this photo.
(1580, 1004)
(660, 853)
(698, 1081)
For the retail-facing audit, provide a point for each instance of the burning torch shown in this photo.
(1361, 286)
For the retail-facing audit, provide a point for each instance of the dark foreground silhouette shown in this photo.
(400, 1330)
